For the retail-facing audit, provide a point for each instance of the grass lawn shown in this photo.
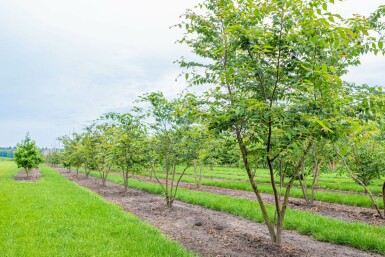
(55, 217)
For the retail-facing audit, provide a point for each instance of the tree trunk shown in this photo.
(125, 181)
(317, 167)
(243, 149)
(383, 196)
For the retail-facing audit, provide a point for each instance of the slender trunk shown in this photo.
(304, 193)
(200, 175)
(125, 180)
(287, 194)
(152, 168)
(243, 149)
(195, 172)
(103, 176)
(382, 215)
(281, 179)
(171, 196)
(302, 182)
(177, 184)
(77, 171)
(383, 196)
(166, 191)
(317, 168)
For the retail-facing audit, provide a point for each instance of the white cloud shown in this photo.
(64, 63)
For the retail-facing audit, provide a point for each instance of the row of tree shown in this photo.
(273, 72)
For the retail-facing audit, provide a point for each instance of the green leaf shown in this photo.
(324, 6)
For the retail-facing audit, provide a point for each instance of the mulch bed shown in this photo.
(33, 176)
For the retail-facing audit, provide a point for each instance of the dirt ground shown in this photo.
(207, 232)
(33, 176)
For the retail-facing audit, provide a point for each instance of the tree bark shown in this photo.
(254, 186)
(383, 196)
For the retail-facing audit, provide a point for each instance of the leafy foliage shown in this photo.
(27, 155)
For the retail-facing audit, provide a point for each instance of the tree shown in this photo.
(275, 68)
(73, 154)
(129, 143)
(27, 155)
(54, 158)
(172, 138)
(361, 149)
(88, 150)
(104, 136)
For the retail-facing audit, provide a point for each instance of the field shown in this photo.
(208, 220)
(54, 217)
(345, 218)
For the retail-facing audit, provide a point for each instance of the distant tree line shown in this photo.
(7, 152)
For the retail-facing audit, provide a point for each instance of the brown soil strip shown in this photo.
(333, 210)
(207, 232)
(33, 176)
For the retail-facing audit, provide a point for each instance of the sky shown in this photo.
(64, 63)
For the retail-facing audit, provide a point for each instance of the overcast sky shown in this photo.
(64, 63)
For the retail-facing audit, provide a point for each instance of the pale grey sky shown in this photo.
(64, 63)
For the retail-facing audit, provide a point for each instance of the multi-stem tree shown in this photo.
(276, 69)
(129, 143)
(172, 139)
(88, 150)
(72, 156)
(104, 136)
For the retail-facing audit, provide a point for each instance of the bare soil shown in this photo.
(333, 210)
(33, 176)
(207, 232)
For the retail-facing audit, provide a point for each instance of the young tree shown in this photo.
(171, 138)
(73, 151)
(27, 155)
(104, 136)
(276, 69)
(129, 143)
(364, 159)
(54, 158)
(88, 150)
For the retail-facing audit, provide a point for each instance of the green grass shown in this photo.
(331, 197)
(327, 181)
(361, 236)
(55, 217)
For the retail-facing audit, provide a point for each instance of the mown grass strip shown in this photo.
(331, 197)
(55, 217)
(358, 235)
(326, 182)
